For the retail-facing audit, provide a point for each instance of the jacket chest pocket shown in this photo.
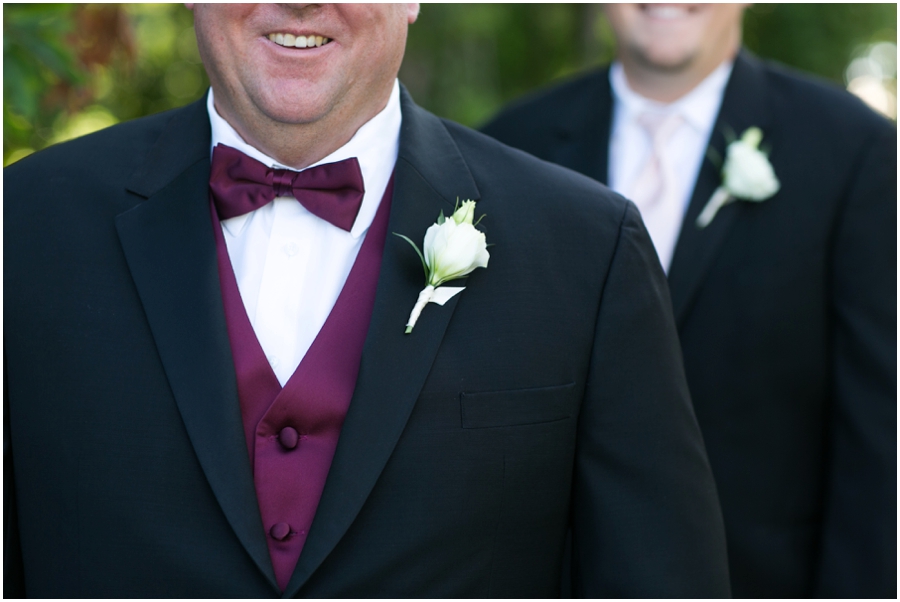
(516, 407)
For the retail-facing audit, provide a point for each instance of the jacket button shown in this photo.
(280, 531)
(288, 437)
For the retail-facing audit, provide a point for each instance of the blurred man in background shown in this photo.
(771, 201)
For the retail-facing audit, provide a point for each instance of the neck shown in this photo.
(668, 85)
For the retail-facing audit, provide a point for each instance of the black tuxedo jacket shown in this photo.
(548, 397)
(786, 311)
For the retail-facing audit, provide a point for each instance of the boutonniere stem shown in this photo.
(747, 175)
(453, 248)
(719, 199)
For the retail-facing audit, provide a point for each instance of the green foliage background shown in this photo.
(71, 69)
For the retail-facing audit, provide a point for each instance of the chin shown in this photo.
(294, 115)
(294, 107)
(666, 60)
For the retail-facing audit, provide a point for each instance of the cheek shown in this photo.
(373, 60)
(728, 17)
(214, 48)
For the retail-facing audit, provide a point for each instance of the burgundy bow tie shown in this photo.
(241, 184)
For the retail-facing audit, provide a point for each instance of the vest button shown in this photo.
(280, 531)
(288, 437)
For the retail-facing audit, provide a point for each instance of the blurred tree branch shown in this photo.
(50, 54)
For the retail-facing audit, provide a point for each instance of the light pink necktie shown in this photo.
(652, 182)
(652, 189)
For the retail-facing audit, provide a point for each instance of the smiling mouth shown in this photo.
(667, 11)
(289, 40)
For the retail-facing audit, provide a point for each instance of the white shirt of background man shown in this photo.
(684, 151)
(290, 265)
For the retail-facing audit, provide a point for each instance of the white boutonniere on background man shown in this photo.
(747, 175)
(452, 249)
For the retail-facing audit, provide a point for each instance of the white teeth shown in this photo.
(666, 12)
(290, 41)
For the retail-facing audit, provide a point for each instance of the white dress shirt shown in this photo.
(290, 265)
(685, 150)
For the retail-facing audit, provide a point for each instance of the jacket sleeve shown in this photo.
(646, 519)
(859, 535)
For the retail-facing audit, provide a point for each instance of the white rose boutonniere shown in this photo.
(746, 175)
(453, 248)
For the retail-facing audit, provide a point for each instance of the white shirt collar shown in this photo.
(699, 107)
(375, 145)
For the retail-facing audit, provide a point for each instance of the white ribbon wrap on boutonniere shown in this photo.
(747, 175)
(453, 248)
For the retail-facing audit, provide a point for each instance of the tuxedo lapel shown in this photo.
(168, 242)
(743, 106)
(583, 131)
(429, 176)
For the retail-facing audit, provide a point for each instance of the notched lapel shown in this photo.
(743, 105)
(430, 174)
(169, 245)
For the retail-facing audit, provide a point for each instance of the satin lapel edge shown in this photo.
(429, 175)
(170, 250)
(743, 105)
(604, 127)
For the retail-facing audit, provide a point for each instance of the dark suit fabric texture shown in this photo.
(786, 311)
(547, 398)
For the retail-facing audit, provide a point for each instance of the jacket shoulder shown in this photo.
(87, 177)
(117, 149)
(822, 104)
(545, 109)
(535, 185)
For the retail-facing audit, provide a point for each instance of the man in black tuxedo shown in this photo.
(541, 412)
(785, 307)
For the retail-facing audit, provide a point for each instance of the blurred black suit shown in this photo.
(786, 311)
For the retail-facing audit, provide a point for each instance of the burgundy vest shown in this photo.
(292, 432)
